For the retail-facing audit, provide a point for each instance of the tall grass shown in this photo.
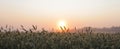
(33, 39)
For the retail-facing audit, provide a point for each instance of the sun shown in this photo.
(62, 25)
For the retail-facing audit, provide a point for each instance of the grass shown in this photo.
(32, 39)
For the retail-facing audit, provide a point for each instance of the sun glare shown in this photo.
(62, 25)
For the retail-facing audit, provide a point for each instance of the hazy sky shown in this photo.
(46, 13)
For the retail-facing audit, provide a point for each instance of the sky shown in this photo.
(47, 13)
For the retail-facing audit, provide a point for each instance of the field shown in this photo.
(57, 40)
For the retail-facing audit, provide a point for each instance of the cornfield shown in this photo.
(32, 39)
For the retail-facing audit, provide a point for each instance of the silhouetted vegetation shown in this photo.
(33, 39)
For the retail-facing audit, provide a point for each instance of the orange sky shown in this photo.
(46, 13)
